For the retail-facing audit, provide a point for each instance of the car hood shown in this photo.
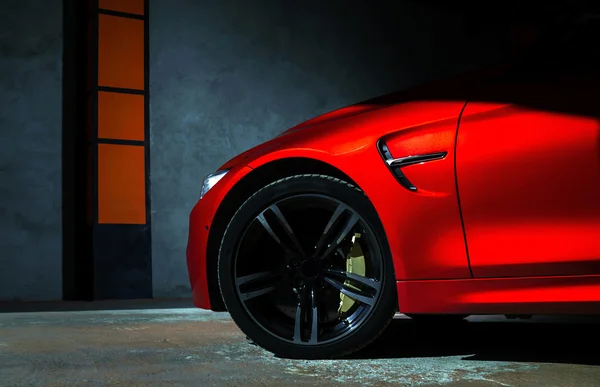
(406, 108)
(338, 114)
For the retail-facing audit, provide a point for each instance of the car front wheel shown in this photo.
(305, 270)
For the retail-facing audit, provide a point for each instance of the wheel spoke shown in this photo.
(350, 292)
(366, 281)
(261, 289)
(297, 247)
(300, 314)
(298, 325)
(327, 238)
(287, 228)
(245, 296)
(314, 331)
(255, 277)
(348, 226)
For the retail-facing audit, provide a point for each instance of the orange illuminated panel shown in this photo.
(121, 184)
(120, 52)
(120, 116)
(128, 6)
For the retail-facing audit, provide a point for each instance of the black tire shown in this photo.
(375, 314)
(438, 318)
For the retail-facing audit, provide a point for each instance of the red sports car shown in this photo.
(480, 195)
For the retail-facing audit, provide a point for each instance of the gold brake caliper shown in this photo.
(355, 264)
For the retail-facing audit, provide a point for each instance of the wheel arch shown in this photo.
(253, 181)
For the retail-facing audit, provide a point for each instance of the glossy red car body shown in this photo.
(507, 223)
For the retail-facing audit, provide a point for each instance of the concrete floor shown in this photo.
(149, 343)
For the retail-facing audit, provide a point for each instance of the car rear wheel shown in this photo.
(305, 270)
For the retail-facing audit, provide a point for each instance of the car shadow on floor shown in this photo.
(548, 339)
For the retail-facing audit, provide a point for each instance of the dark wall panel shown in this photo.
(30, 149)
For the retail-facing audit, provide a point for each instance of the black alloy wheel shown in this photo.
(305, 270)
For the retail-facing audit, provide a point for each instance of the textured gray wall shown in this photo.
(226, 75)
(30, 149)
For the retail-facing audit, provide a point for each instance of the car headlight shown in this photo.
(211, 180)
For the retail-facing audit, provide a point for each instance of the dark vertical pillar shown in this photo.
(109, 226)
(77, 270)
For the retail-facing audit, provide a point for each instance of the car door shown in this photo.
(528, 166)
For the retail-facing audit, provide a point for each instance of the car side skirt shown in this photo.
(523, 295)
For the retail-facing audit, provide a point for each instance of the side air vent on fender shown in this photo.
(396, 165)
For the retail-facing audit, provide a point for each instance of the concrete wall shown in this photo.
(226, 75)
(30, 149)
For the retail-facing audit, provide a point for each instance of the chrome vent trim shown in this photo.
(395, 165)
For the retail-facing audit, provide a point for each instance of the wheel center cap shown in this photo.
(310, 268)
